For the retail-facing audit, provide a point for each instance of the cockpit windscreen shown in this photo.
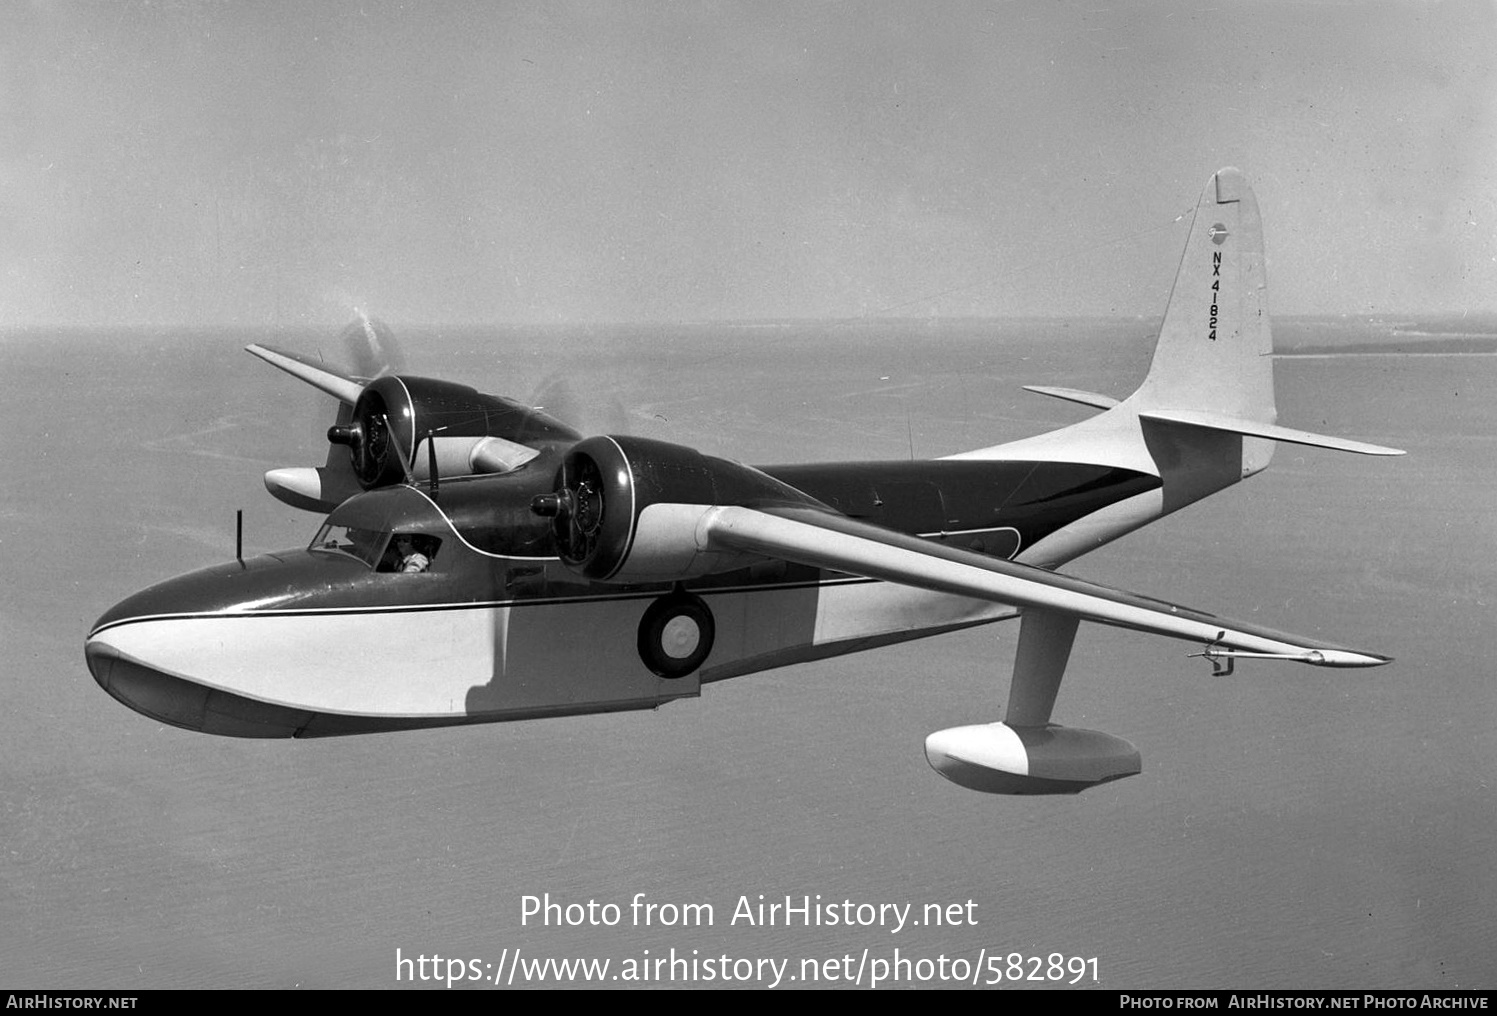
(366, 545)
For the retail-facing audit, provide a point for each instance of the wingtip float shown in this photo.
(553, 575)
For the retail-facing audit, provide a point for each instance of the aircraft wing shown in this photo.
(811, 537)
(340, 386)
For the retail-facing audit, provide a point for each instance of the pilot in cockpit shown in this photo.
(411, 558)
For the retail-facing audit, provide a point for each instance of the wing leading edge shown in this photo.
(340, 386)
(810, 537)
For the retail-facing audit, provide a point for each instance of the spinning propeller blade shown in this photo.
(372, 347)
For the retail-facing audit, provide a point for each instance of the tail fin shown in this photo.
(1213, 365)
(1204, 416)
(1213, 362)
(1205, 413)
(1215, 344)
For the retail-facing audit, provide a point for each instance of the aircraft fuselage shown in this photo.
(335, 639)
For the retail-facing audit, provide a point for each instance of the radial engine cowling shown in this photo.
(472, 432)
(627, 509)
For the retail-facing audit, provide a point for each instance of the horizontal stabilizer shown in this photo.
(815, 538)
(1252, 428)
(341, 387)
(1074, 395)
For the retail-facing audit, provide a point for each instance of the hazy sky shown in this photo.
(285, 163)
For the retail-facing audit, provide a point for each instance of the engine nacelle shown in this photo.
(395, 414)
(627, 509)
(998, 759)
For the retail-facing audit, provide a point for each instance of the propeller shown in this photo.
(374, 352)
(372, 347)
(558, 398)
(384, 417)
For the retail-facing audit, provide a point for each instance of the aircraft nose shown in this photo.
(183, 703)
(154, 652)
(148, 691)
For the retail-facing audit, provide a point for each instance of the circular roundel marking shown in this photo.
(680, 637)
(675, 635)
(1218, 234)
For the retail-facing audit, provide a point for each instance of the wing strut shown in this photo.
(1045, 638)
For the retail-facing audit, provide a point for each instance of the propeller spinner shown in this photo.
(577, 507)
(373, 452)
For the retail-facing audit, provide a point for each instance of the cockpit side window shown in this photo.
(366, 545)
(410, 553)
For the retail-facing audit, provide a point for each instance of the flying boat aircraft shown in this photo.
(483, 562)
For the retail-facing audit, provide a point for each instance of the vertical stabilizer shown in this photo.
(1215, 344)
(1204, 417)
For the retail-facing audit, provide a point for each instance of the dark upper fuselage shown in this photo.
(496, 549)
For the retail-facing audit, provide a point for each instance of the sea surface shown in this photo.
(1292, 827)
